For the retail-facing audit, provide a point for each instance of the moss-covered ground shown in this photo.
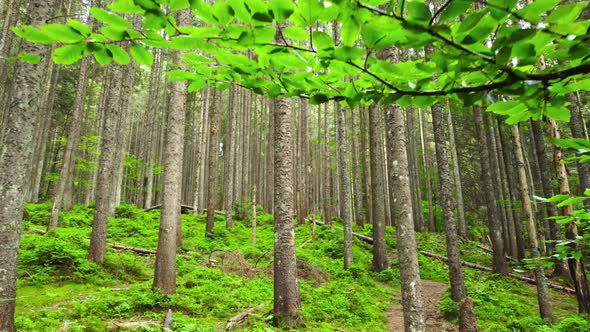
(223, 275)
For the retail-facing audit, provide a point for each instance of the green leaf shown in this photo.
(534, 11)
(295, 33)
(350, 31)
(102, 56)
(197, 85)
(141, 55)
(454, 9)
(29, 58)
(82, 28)
(567, 13)
(68, 54)
(119, 55)
(322, 41)
(262, 17)
(559, 113)
(110, 18)
(571, 201)
(418, 11)
(125, 7)
(318, 99)
(31, 34)
(282, 9)
(557, 198)
(181, 75)
(178, 4)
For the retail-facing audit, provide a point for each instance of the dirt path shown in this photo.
(431, 294)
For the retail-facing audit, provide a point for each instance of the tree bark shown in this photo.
(287, 302)
(426, 165)
(461, 223)
(229, 157)
(414, 171)
(358, 188)
(105, 176)
(345, 184)
(379, 250)
(542, 290)
(170, 220)
(499, 260)
(576, 266)
(455, 273)
(15, 162)
(214, 118)
(414, 319)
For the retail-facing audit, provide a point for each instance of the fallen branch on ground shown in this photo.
(470, 265)
(183, 208)
(235, 320)
(114, 326)
(167, 325)
(489, 269)
(141, 251)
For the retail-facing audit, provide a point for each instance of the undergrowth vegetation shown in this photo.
(224, 274)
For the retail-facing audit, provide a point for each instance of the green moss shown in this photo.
(223, 274)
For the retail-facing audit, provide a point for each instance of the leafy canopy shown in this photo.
(466, 49)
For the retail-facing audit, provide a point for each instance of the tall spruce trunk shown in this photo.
(103, 208)
(455, 272)
(214, 119)
(426, 165)
(413, 310)
(358, 188)
(287, 302)
(461, 222)
(229, 157)
(414, 170)
(345, 184)
(542, 289)
(17, 147)
(516, 227)
(170, 226)
(576, 266)
(499, 261)
(379, 249)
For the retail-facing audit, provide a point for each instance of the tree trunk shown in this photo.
(496, 182)
(69, 157)
(358, 189)
(513, 250)
(461, 222)
(214, 119)
(286, 291)
(379, 250)
(106, 166)
(17, 148)
(455, 273)
(576, 266)
(407, 249)
(414, 171)
(499, 260)
(170, 233)
(426, 165)
(345, 184)
(577, 127)
(327, 168)
(516, 227)
(229, 157)
(542, 290)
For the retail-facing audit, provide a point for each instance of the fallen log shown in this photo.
(183, 207)
(141, 251)
(167, 325)
(489, 269)
(237, 319)
(472, 265)
(115, 326)
(361, 237)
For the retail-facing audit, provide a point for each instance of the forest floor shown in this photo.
(432, 293)
(223, 275)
